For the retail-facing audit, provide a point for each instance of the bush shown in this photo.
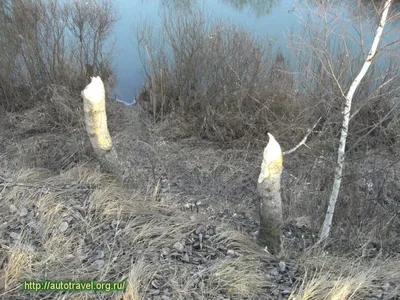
(47, 42)
(222, 80)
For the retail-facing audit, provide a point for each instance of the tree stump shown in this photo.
(269, 189)
(94, 103)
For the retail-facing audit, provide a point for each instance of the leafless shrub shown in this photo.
(218, 77)
(48, 42)
(327, 56)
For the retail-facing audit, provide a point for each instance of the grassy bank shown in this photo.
(182, 224)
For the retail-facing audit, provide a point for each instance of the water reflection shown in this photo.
(179, 4)
(366, 9)
(259, 8)
(275, 15)
(359, 21)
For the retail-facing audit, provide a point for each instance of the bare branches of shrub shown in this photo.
(46, 42)
(328, 54)
(228, 83)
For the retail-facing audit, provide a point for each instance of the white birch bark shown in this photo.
(345, 125)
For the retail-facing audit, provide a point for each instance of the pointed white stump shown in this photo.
(269, 189)
(94, 103)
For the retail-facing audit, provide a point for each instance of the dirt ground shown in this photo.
(182, 225)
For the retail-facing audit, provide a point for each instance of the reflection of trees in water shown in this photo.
(367, 8)
(264, 7)
(363, 16)
(179, 4)
(258, 7)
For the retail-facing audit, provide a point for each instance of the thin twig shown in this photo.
(303, 141)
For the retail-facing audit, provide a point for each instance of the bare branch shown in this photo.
(303, 141)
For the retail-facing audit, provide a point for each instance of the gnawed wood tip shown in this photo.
(272, 160)
(95, 115)
(94, 91)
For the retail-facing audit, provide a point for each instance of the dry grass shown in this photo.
(139, 277)
(64, 219)
(329, 277)
(239, 277)
(100, 215)
(19, 265)
(132, 227)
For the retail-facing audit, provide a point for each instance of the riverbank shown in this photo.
(176, 216)
(183, 227)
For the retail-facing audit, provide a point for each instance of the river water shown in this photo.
(269, 20)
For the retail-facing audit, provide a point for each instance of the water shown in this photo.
(269, 20)
(265, 19)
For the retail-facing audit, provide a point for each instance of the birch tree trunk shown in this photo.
(345, 125)
(269, 189)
